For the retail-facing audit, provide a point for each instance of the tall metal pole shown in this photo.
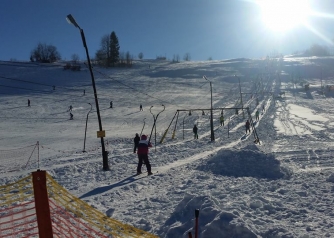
(211, 114)
(104, 153)
(242, 104)
(86, 127)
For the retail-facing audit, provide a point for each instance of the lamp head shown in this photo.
(71, 20)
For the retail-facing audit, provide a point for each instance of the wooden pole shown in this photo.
(42, 204)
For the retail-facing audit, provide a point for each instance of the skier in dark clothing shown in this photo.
(141, 107)
(136, 142)
(195, 132)
(71, 116)
(247, 126)
(142, 152)
(110, 104)
(28, 102)
(257, 114)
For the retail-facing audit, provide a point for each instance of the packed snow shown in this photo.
(279, 187)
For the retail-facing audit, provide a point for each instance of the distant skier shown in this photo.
(136, 142)
(263, 108)
(110, 104)
(28, 102)
(203, 113)
(141, 107)
(70, 108)
(195, 132)
(257, 113)
(84, 92)
(142, 152)
(221, 120)
(247, 126)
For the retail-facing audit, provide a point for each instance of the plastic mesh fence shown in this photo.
(17, 210)
(70, 216)
(86, 216)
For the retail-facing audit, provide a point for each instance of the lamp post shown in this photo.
(242, 104)
(211, 115)
(71, 20)
(86, 127)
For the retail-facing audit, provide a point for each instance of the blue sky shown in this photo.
(219, 29)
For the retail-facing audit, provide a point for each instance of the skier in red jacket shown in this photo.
(143, 155)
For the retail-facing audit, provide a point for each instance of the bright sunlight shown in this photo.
(283, 15)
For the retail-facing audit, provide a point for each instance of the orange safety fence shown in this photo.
(37, 206)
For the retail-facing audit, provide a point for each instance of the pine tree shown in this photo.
(114, 49)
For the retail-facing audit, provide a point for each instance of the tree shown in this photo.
(114, 48)
(75, 58)
(45, 54)
(129, 59)
(108, 54)
(317, 50)
(103, 54)
(186, 57)
(140, 55)
(176, 58)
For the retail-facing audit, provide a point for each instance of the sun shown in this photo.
(283, 15)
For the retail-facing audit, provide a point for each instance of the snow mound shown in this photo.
(212, 221)
(244, 163)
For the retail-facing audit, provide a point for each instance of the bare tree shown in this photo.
(75, 58)
(141, 55)
(45, 53)
(103, 54)
(186, 57)
(129, 59)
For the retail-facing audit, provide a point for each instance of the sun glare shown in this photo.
(283, 15)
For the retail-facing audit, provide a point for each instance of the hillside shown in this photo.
(281, 187)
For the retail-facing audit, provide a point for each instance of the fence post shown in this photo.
(42, 204)
(196, 225)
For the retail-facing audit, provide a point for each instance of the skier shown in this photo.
(203, 114)
(195, 132)
(141, 107)
(70, 108)
(136, 142)
(110, 104)
(247, 126)
(84, 92)
(263, 108)
(28, 102)
(221, 120)
(71, 116)
(257, 113)
(142, 152)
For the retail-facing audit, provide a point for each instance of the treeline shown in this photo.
(108, 55)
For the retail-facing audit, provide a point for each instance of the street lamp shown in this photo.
(86, 127)
(71, 20)
(211, 116)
